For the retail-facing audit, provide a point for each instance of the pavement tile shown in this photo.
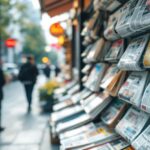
(29, 137)
(8, 137)
(20, 147)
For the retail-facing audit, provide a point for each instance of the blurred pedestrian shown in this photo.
(47, 70)
(28, 75)
(2, 82)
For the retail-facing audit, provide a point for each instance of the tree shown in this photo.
(7, 7)
(34, 41)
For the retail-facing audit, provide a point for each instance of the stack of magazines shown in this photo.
(132, 124)
(94, 106)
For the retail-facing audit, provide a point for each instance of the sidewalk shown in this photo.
(23, 131)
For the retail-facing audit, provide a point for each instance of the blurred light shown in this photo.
(61, 40)
(47, 49)
(10, 43)
(45, 60)
(36, 4)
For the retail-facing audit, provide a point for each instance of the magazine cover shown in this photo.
(133, 88)
(132, 124)
(142, 142)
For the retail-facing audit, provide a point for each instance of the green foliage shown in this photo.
(14, 12)
(34, 42)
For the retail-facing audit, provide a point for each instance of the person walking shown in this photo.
(28, 75)
(47, 70)
(2, 82)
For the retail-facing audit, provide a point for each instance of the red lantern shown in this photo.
(10, 43)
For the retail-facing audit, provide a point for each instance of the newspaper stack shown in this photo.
(80, 95)
(86, 69)
(133, 88)
(116, 51)
(109, 32)
(96, 51)
(145, 104)
(100, 135)
(124, 22)
(142, 142)
(146, 59)
(96, 76)
(141, 17)
(114, 145)
(132, 124)
(113, 113)
(94, 106)
(62, 114)
(74, 132)
(109, 76)
(72, 123)
(131, 59)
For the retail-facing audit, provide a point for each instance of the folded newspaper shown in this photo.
(142, 142)
(131, 59)
(100, 135)
(132, 124)
(96, 76)
(113, 113)
(145, 104)
(116, 51)
(75, 122)
(97, 104)
(118, 144)
(109, 76)
(133, 88)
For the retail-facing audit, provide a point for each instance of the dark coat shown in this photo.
(2, 82)
(28, 73)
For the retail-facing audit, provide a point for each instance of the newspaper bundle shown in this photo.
(131, 59)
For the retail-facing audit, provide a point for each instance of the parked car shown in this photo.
(11, 69)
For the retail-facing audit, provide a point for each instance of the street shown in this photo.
(23, 131)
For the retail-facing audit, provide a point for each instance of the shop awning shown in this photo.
(56, 7)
